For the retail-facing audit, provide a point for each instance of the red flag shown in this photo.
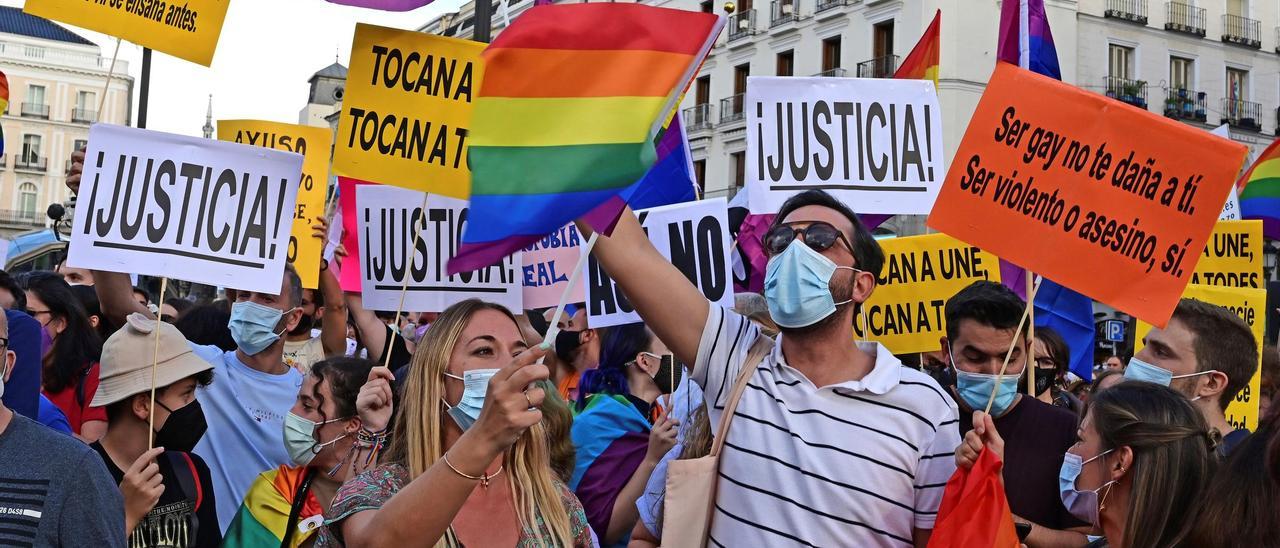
(974, 509)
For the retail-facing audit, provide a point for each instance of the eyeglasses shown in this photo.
(4, 342)
(819, 236)
(34, 313)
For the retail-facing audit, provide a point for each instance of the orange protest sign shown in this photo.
(1104, 198)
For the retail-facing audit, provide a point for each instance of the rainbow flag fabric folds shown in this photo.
(264, 514)
(1260, 191)
(573, 99)
(922, 62)
(974, 509)
(610, 438)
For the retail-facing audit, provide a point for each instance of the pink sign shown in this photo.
(388, 5)
(548, 264)
(349, 276)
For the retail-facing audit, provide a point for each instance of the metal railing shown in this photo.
(83, 116)
(825, 5)
(742, 25)
(880, 67)
(1179, 17)
(1242, 31)
(1133, 92)
(1185, 104)
(1128, 10)
(19, 217)
(1242, 114)
(35, 110)
(783, 12)
(698, 117)
(30, 162)
(836, 72)
(731, 108)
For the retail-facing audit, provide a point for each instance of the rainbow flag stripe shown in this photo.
(4, 104)
(573, 100)
(1260, 191)
(922, 62)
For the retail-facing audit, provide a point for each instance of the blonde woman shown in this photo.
(469, 463)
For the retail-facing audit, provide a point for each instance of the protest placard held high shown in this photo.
(188, 30)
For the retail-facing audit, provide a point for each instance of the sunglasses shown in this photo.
(819, 236)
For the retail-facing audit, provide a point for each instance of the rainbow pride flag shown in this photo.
(1260, 191)
(4, 104)
(568, 115)
(264, 514)
(922, 62)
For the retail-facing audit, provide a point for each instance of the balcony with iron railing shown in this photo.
(880, 67)
(1241, 31)
(35, 110)
(83, 116)
(1134, 11)
(731, 108)
(836, 72)
(4, 161)
(1185, 104)
(20, 218)
(30, 162)
(698, 118)
(783, 12)
(1133, 92)
(824, 6)
(1242, 114)
(1179, 17)
(741, 25)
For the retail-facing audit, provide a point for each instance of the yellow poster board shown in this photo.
(313, 144)
(1251, 305)
(407, 108)
(187, 30)
(905, 312)
(1232, 257)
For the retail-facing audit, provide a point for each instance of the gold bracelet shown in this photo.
(483, 479)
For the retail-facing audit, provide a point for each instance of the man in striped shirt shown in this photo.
(833, 442)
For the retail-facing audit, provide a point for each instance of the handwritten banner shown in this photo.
(313, 143)
(188, 30)
(1251, 305)
(407, 108)
(920, 273)
(191, 209)
(548, 264)
(1070, 184)
(1232, 257)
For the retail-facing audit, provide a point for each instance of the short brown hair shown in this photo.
(1223, 342)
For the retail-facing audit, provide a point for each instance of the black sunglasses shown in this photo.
(819, 236)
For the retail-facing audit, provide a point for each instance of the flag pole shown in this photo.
(155, 360)
(1031, 295)
(552, 330)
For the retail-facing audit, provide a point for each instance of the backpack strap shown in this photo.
(184, 470)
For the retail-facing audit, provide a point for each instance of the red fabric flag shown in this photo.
(974, 509)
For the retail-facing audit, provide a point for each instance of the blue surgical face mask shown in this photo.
(1083, 505)
(253, 326)
(1139, 370)
(475, 384)
(797, 286)
(975, 389)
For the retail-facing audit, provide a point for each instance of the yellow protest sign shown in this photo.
(905, 312)
(313, 144)
(1251, 305)
(188, 30)
(1232, 257)
(407, 109)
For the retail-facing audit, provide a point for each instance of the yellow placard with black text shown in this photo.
(905, 312)
(406, 110)
(1232, 257)
(313, 143)
(187, 30)
(1251, 305)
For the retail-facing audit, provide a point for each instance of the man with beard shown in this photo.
(302, 347)
(833, 442)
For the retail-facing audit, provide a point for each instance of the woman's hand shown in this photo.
(662, 437)
(374, 402)
(983, 434)
(511, 404)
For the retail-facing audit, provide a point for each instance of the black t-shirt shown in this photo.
(400, 355)
(185, 514)
(1036, 435)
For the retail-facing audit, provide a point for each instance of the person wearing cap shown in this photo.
(168, 491)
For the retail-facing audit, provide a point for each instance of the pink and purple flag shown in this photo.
(386, 5)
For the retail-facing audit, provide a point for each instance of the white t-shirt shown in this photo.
(859, 463)
(301, 355)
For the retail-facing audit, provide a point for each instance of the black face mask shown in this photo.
(184, 428)
(568, 342)
(668, 376)
(1044, 379)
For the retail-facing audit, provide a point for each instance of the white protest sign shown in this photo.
(334, 238)
(1230, 210)
(204, 211)
(384, 215)
(875, 144)
(694, 236)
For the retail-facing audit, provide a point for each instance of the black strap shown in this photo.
(299, 500)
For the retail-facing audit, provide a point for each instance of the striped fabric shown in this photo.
(1260, 191)
(610, 438)
(264, 513)
(922, 62)
(572, 100)
(1025, 38)
(4, 104)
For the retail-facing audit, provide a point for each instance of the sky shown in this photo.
(267, 51)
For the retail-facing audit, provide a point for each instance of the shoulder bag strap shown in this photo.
(761, 348)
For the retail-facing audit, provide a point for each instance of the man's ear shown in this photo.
(93, 320)
(141, 405)
(10, 361)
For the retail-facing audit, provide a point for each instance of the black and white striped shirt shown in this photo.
(859, 463)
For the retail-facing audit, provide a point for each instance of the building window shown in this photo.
(739, 161)
(702, 94)
(27, 193)
(787, 63)
(882, 39)
(700, 174)
(830, 54)
(35, 94)
(1238, 8)
(30, 149)
(79, 144)
(1181, 73)
(1121, 64)
(740, 74)
(1237, 85)
(707, 7)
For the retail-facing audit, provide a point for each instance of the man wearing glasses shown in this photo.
(834, 442)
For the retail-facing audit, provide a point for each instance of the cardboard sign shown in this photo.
(694, 236)
(1232, 257)
(313, 143)
(387, 217)
(1251, 305)
(407, 109)
(349, 276)
(191, 209)
(188, 30)
(548, 265)
(905, 312)
(1072, 185)
(874, 143)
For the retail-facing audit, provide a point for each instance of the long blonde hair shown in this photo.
(419, 430)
